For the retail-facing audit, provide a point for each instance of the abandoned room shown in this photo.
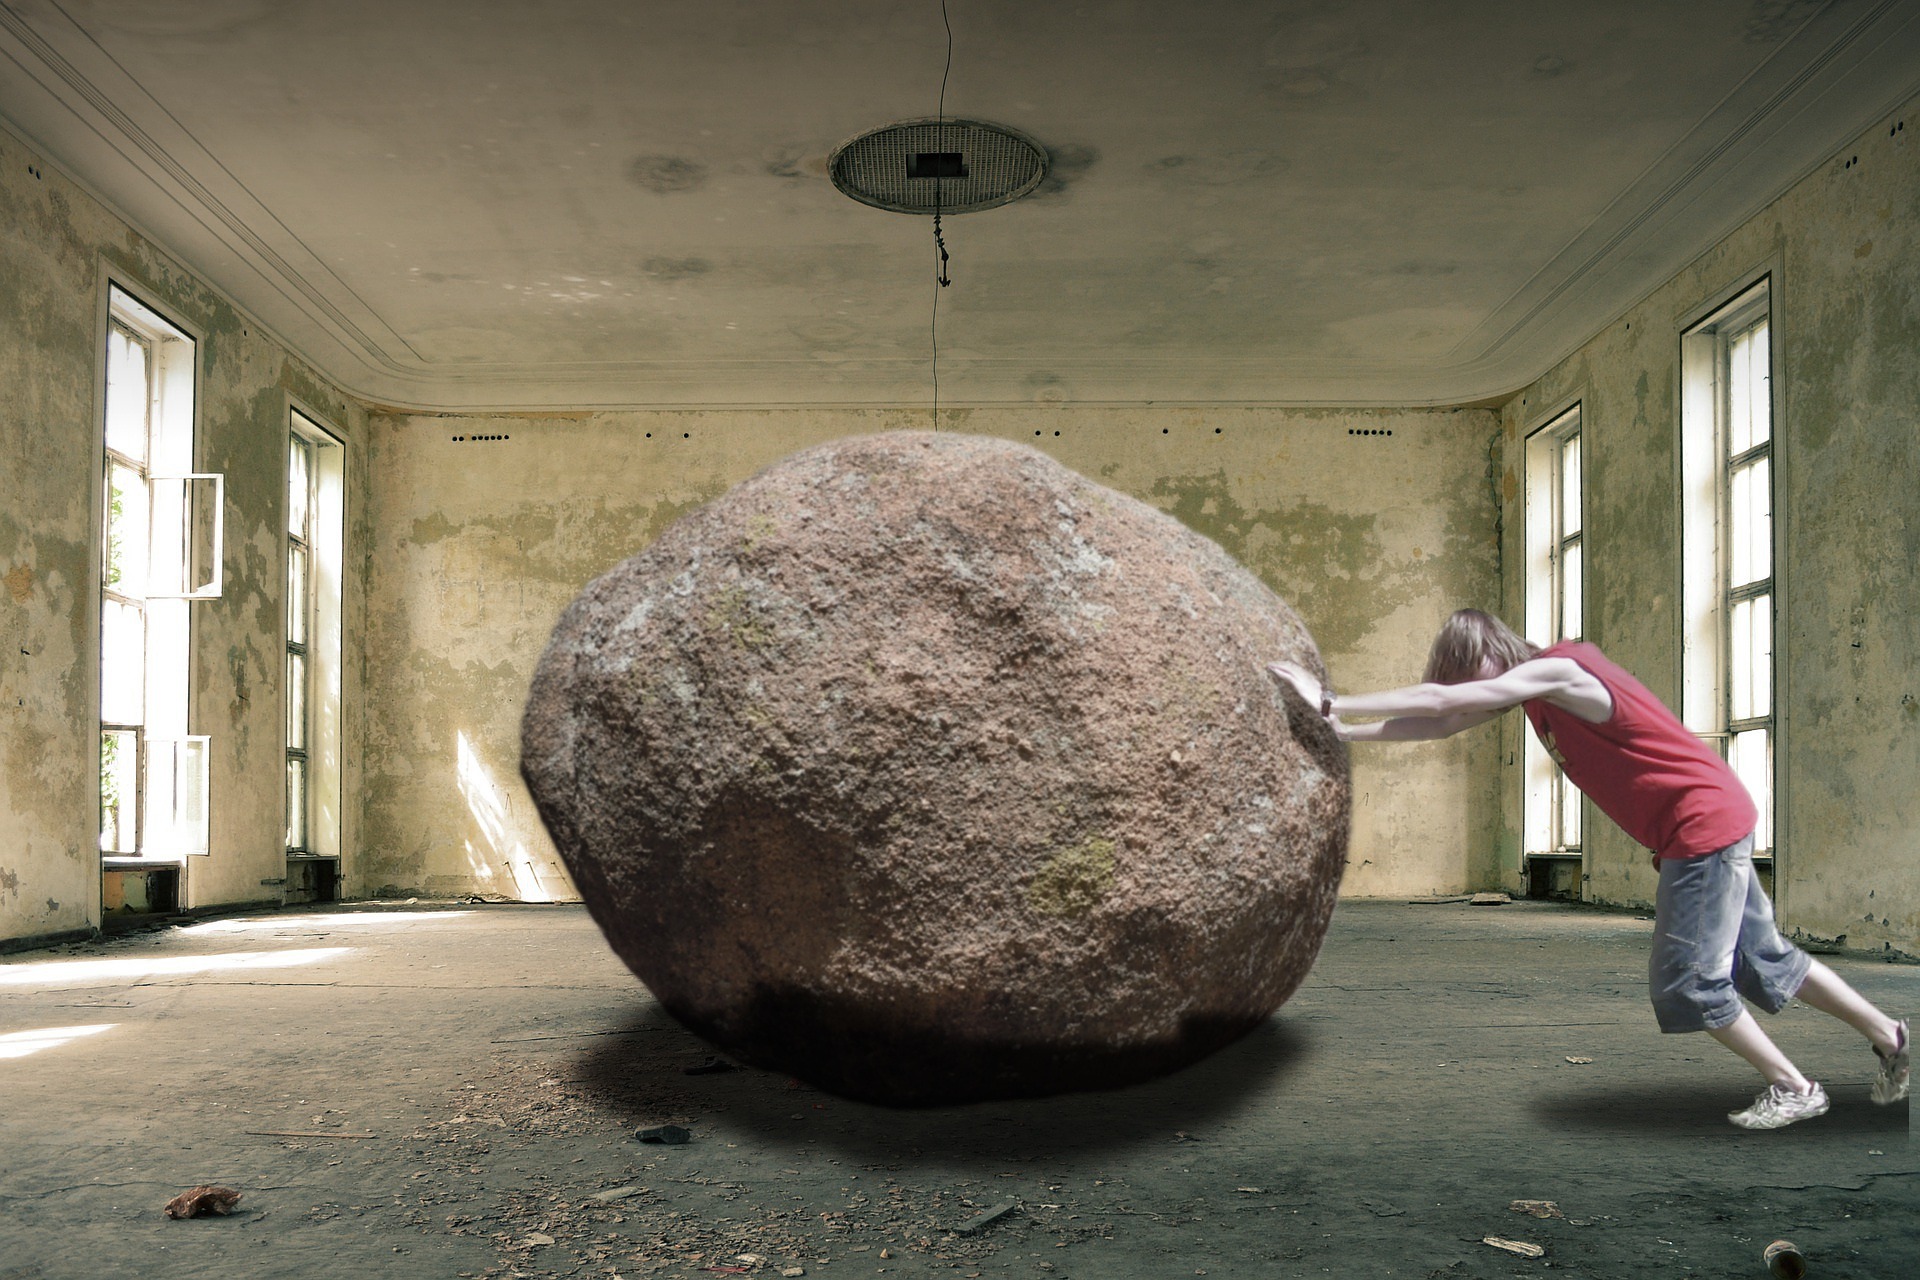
(344, 345)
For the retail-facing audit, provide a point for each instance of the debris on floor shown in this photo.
(1520, 1247)
(1537, 1208)
(201, 1201)
(304, 1133)
(1578, 1061)
(711, 1067)
(671, 1134)
(1489, 900)
(612, 1194)
(974, 1226)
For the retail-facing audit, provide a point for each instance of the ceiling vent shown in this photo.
(938, 166)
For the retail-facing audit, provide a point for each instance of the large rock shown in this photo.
(926, 770)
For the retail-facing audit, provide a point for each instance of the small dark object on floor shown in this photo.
(203, 1200)
(711, 1067)
(974, 1226)
(671, 1134)
(1784, 1260)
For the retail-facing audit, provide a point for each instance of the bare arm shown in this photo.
(1440, 710)
(1412, 728)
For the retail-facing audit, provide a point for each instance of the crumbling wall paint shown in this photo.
(46, 547)
(481, 541)
(1844, 249)
(55, 242)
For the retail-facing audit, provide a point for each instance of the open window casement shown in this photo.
(187, 543)
(176, 796)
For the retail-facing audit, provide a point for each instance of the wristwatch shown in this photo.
(1326, 702)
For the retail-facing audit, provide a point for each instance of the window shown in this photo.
(299, 632)
(160, 549)
(1727, 474)
(1553, 613)
(315, 548)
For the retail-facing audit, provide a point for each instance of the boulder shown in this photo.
(926, 770)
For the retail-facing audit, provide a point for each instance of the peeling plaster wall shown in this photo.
(57, 245)
(1843, 247)
(486, 526)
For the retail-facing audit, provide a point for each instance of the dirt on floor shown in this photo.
(455, 1093)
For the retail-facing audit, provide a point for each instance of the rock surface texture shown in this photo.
(928, 771)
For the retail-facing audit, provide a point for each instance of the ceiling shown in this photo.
(465, 204)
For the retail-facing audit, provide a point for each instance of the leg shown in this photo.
(1695, 931)
(1770, 971)
(1746, 1037)
(1702, 917)
(1828, 992)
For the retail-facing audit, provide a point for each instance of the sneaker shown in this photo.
(1780, 1105)
(1891, 1084)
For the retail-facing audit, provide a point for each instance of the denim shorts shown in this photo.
(1714, 941)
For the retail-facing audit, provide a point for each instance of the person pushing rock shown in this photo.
(1714, 938)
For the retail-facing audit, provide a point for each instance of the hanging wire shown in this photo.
(939, 241)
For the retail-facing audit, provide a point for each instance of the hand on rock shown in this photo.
(1303, 680)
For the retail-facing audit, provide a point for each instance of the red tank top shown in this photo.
(1642, 767)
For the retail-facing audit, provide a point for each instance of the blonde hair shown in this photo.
(1467, 640)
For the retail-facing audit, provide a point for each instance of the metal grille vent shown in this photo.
(938, 166)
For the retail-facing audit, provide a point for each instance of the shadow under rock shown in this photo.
(638, 1072)
(1694, 1111)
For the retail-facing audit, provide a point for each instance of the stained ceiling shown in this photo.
(462, 204)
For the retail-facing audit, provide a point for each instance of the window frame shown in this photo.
(301, 649)
(321, 696)
(1709, 663)
(1547, 544)
(109, 596)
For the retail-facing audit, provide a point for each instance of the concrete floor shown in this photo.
(482, 1069)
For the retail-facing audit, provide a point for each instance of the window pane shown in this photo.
(127, 395)
(296, 702)
(1751, 755)
(296, 594)
(1570, 588)
(299, 484)
(1751, 517)
(296, 804)
(123, 663)
(190, 792)
(1749, 406)
(1739, 395)
(119, 790)
(128, 528)
(1570, 486)
(1569, 813)
(1740, 526)
(1750, 669)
